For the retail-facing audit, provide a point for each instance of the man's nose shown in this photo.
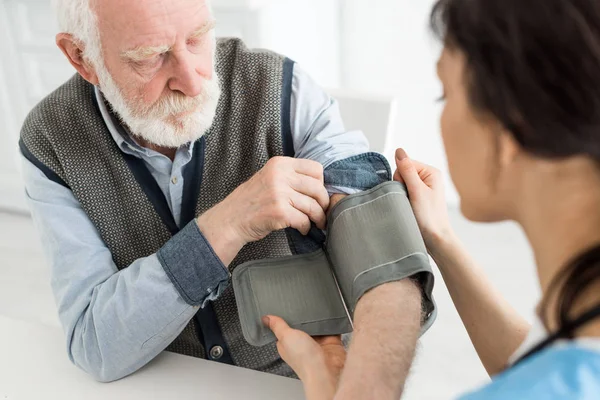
(189, 73)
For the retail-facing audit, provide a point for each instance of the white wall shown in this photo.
(307, 31)
(30, 67)
(387, 48)
(377, 46)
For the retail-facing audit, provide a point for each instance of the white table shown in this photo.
(34, 365)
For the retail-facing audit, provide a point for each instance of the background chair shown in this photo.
(375, 115)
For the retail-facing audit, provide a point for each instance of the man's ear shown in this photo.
(73, 50)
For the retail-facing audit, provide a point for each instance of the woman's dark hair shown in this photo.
(535, 66)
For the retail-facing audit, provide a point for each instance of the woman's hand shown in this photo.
(318, 361)
(426, 194)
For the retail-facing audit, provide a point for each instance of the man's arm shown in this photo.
(147, 304)
(117, 321)
(387, 323)
(387, 319)
(384, 340)
(386, 328)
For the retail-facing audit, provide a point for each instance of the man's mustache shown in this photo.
(173, 104)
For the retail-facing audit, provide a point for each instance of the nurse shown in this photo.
(521, 129)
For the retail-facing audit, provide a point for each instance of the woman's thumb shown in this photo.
(276, 324)
(407, 170)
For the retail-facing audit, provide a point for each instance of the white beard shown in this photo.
(157, 123)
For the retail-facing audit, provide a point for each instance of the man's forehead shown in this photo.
(150, 22)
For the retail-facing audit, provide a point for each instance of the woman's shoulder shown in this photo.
(564, 372)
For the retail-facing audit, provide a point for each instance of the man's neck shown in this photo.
(166, 151)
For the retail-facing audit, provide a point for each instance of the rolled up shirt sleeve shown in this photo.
(117, 321)
(318, 134)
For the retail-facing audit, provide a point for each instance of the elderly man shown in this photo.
(168, 160)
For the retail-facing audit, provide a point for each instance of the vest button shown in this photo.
(216, 352)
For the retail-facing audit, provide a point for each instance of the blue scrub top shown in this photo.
(563, 372)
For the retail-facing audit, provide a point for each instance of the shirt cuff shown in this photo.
(191, 264)
(357, 173)
(332, 189)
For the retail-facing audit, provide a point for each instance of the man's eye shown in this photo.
(151, 62)
(197, 41)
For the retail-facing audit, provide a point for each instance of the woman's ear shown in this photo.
(508, 148)
(73, 50)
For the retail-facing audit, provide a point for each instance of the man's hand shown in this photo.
(285, 193)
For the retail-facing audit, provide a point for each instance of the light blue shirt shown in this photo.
(565, 372)
(117, 321)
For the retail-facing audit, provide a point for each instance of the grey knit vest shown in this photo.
(66, 134)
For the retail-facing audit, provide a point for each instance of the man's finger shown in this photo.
(277, 325)
(308, 167)
(309, 207)
(299, 221)
(312, 187)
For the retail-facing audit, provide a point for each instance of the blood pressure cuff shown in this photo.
(372, 239)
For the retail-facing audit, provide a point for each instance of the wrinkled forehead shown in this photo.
(125, 24)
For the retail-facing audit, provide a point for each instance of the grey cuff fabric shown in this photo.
(363, 172)
(193, 267)
(373, 238)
